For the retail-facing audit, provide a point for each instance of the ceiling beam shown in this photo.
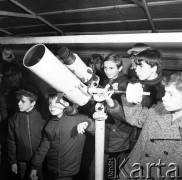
(13, 14)
(6, 32)
(107, 38)
(137, 2)
(104, 8)
(121, 32)
(158, 3)
(103, 22)
(36, 16)
(103, 32)
(107, 32)
(121, 21)
(145, 7)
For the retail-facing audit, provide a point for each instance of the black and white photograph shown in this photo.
(90, 89)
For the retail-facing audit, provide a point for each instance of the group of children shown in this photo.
(121, 136)
(145, 138)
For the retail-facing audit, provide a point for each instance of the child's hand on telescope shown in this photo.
(107, 95)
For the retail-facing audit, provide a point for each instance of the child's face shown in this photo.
(96, 65)
(111, 70)
(56, 108)
(172, 99)
(25, 105)
(144, 71)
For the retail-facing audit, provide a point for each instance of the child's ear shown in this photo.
(33, 103)
(120, 68)
(154, 68)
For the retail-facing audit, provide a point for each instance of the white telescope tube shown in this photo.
(41, 61)
(75, 64)
(80, 69)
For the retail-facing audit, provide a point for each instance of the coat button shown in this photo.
(166, 153)
(146, 155)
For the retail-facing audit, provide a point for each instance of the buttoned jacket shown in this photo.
(159, 143)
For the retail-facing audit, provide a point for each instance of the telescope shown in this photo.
(75, 64)
(98, 96)
(93, 90)
(41, 61)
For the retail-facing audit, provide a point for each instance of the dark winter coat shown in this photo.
(24, 135)
(121, 82)
(63, 146)
(119, 136)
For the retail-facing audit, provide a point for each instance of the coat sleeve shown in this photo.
(91, 125)
(116, 112)
(42, 150)
(135, 115)
(122, 84)
(11, 142)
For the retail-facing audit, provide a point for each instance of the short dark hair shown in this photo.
(30, 91)
(151, 56)
(174, 79)
(116, 58)
(96, 57)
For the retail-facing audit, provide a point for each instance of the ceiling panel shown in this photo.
(37, 29)
(41, 6)
(62, 17)
(169, 25)
(8, 6)
(166, 11)
(10, 22)
(98, 16)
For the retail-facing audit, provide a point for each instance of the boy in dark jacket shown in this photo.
(148, 69)
(61, 143)
(24, 132)
(119, 136)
